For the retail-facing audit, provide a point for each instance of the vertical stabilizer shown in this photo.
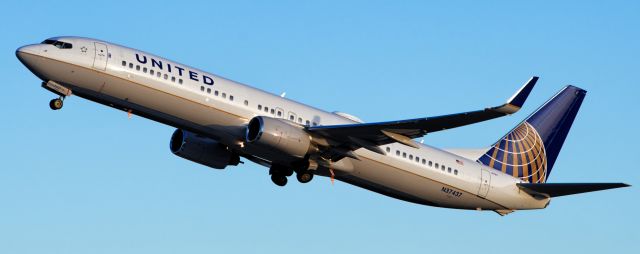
(530, 150)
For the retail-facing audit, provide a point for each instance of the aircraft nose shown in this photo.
(26, 55)
(21, 52)
(29, 56)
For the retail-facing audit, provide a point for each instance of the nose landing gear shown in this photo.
(56, 104)
(58, 89)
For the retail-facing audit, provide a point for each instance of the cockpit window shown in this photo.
(58, 44)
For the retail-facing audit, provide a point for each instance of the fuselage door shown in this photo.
(485, 182)
(101, 56)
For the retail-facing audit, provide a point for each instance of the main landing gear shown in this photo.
(279, 180)
(279, 175)
(56, 104)
(304, 176)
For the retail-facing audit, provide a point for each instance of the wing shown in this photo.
(370, 135)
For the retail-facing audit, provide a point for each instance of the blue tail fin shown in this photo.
(530, 150)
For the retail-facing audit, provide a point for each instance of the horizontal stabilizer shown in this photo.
(562, 189)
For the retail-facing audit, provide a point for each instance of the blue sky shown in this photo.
(88, 180)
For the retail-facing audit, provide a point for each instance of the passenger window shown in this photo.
(231, 97)
(424, 161)
(292, 118)
(208, 90)
(246, 102)
(307, 122)
(397, 153)
(124, 63)
(410, 157)
(158, 74)
(166, 76)
(130, 66)
(259, 107)
(455, 172)
(202, 88)
(215, 93)
(430, 164)
(137, 67)
(224, 95)
(404, 155)
(152, 72)
(442, 167)
(437, 166)
(273, 111)
(417, 159)
(180, 81)
(173, 79)
(299, 120)
(449, 170)
(144, 69)
(266, 109)
(388, 149)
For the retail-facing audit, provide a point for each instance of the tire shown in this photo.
(279, 180)
(56, 104)
(304, 177)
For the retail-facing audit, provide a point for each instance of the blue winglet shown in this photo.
(520, 97)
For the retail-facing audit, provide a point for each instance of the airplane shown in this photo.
(220, 121)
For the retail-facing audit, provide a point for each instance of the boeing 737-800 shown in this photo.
(219, 121)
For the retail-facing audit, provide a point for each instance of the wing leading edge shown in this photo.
(370, 135)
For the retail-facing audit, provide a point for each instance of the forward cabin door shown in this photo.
(485, 182)
(101, 56)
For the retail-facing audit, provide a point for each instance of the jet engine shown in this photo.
(202, 150)
(279, 137)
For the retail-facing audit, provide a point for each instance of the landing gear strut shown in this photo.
(56, 104)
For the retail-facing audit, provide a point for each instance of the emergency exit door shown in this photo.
(485, 182)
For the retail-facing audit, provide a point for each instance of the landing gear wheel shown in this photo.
(56, 104)
(304, 177)
(279, 180)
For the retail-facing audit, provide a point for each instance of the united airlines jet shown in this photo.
(220, 121)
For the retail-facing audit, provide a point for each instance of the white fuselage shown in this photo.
(198, 101)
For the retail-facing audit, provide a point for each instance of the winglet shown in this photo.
(519, 97)
(517, 100)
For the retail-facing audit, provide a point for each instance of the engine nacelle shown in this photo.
(279, 136)
(202, 150)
